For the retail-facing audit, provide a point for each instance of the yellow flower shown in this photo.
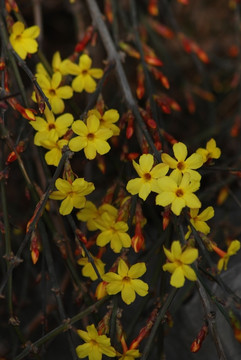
(85, 75)
(130, 355)
(178, 194)
(95, 344)
(23, 40)
(88, 269)
(54, 91)
(51, 126)
(60, 65)
(91, 137)
(149, 176)
(91, 214)
(107, 120)
(199, 220)
(55, 146)
(72, 194)
(181, 165)
(179, 262)
(126, 281)
(211, 151)
(232, 250)
(112, 231)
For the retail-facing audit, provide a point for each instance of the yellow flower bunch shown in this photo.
(49, 132)
(91, 137)
(126, 281)
(210, 152)
(72, 193)
(84, 74)
(178, 193)
(53, 89)
(95, 345)
(179, 263)
(148, 176)
(23, 40)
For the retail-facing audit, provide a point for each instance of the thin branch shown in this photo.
(113, 56)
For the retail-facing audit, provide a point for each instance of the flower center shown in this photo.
(84, 72)
(52, 92)
(93, 342)
(181, 165)
(147, 176)
(126, 279)
(90, 136)
(51, 126)
(179, 193)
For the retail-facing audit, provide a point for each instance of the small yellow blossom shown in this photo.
(72, 194)
(88, 269)
(23, 40)
(90, 214)
(85, 76)
(55, 146)
(182, 164)
(107, 120)
(90, 137)
(113, 232)
(199, 220)
(211, 151)
(149, 176)
(126, 281)
(130, 355)
(232, 250)
(179, 262)
(95, 345)
(177, 193)
(60, 65)
(51, 126)
(54, 91)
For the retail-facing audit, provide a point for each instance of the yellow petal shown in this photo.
(85, 62)
(64, 92)
(180, 151)
(168, 160)
(176, 249)
(78, 83)
(32, 32)
(189, 256)
(146, 162)
(128, 294)
(137, 270)
(66, 206)
(140, 287)
(189, 273)
(96, 73)
(177, 278)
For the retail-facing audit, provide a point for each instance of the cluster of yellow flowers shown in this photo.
(175, 182)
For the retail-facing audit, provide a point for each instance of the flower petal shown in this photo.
(137, 270)
(128, 294)
(177, 278)
(189, 273)
(122, 268)
(66, 206)
(189, 255)
(140, 287)
(146, 162)
(180, 151)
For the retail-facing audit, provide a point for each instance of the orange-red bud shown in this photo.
(161, 29)
(153, 7)
(86, 38)
(108, 11)
(197, 343)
